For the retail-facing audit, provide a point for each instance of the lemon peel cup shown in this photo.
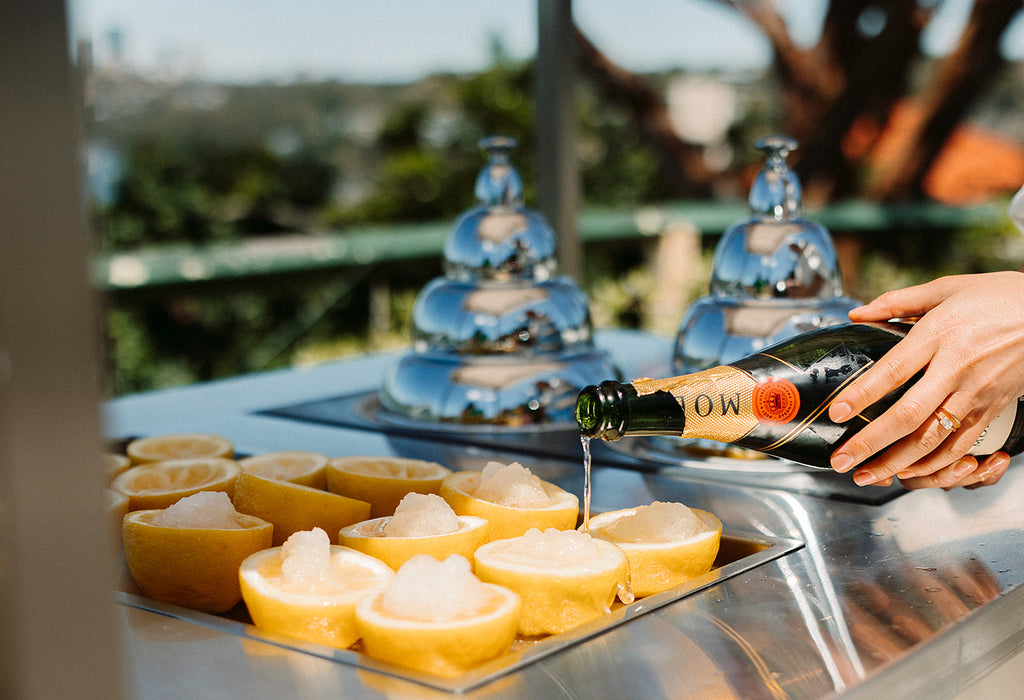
(558, 593)
(657, 566)
(158, 448)
(506, 521)
(293, 507)
(294, 466)
(161, 484)
(368, 537)
(447, 646)
(383, 481)
(195, 568)
(324, 612)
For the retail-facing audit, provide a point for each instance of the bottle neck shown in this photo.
(599, 410)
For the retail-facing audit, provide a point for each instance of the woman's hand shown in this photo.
(969, 343)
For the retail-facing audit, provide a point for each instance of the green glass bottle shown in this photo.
(775, 401)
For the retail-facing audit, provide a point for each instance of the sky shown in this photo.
(385, 41)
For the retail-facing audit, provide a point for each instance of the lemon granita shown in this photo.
(422, 524)
(511, 498)
(189, 553)
(383, 481)
(159, 448)
(308, 588)
(294, 507)
(565, 577)
(666, 543)
(437, 617)
(161, 484)
(295, 466)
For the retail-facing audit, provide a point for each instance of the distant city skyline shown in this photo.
(392, 41)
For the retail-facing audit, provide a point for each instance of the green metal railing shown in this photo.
(254, 258)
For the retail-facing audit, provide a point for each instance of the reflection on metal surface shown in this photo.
(739, 553)
(681, 453)
(886, 621)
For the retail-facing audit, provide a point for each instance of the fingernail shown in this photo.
(839, 412)
(905, 475)
(964, 467)
(864, 478)
(842, 462)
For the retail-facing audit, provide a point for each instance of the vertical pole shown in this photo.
(58, 635)
(558, 188)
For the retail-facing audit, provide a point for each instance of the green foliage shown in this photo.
(203, 164)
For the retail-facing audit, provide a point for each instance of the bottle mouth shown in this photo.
(588, 410)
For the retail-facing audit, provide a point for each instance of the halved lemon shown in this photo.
(305, 468)
(564, 577)
(369, 537)
(161, 484)
(117, 508)
(114, 465)
(474, 623)
(158, 448)
(195, 567)
(318, 602)
(383, 481)
(655, 566)
(293, 507)
(561, 511)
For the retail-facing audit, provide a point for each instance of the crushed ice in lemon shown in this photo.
(421, 515)
(207, 509)
(429, 590)
(658, 522)
(306, 558)
(511, 485)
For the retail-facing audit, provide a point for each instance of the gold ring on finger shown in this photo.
(947, 419)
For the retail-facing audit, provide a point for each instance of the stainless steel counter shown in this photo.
(913, 594)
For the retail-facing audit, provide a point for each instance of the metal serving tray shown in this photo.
(739, 552)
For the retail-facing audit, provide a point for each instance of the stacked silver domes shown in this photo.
(774, 275)
(500, 339)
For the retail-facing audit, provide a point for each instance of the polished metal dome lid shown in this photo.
(500, 340)
(499, 238)
(774, 275)
(776, 253)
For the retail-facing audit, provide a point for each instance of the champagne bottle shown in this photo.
(775, 401)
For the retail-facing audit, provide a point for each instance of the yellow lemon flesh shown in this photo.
(564, 577)
(158, 448)
(508, 512)
(667, 543)
(308, 588)
(161, 484)
(383, 481)
(305, 468)
(192, 566)
(293, 507)
(438, 618)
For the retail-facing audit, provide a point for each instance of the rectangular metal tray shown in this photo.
(739, 552)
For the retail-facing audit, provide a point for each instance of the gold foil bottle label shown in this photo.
(716, 402)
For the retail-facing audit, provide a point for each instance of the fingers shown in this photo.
(966, 472)
(897, 367)
(912, 417)
(909, 302)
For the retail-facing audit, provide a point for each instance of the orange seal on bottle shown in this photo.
(775, 400)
